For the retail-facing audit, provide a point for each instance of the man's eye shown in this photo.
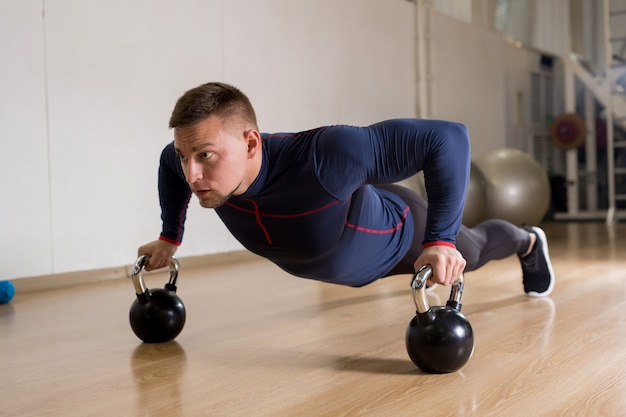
(182, 158)
(206, 155)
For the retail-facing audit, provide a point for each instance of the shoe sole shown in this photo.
(544, 247)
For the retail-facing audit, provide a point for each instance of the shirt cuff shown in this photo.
(438, 243)
(168, 240)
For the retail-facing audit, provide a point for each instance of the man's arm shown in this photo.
(444, 150)
(393, 150)
(174, 195)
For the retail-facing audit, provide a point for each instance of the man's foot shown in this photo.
(537, 272)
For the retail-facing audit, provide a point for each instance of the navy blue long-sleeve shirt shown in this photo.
(314, 209)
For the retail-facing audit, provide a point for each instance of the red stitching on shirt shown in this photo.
(258, 215)
(297, 135)
(258, 220)
(380, 232)
(280, 216)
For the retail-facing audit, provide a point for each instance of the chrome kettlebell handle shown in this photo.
(418, 285)
(439, 339)
(137, 274)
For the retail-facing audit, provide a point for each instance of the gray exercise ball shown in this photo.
(475, 201)
(517, 187)
(415, 183)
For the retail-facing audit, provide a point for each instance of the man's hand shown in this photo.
(447, 263)
(159, 253)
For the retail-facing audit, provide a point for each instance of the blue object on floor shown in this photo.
(7, 291)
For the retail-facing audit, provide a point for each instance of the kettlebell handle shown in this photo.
(418, 285)
(137, 274)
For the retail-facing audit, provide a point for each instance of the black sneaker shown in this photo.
(537, 272)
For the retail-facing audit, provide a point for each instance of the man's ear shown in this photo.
(253, 141)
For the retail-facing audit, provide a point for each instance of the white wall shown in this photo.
(482, 81)
(25, 223)
(551, 26)
(468, 75)
(87, 88)
(519, 62)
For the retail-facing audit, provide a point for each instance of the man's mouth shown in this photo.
(202, 193)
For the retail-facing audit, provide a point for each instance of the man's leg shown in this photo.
(489, 240)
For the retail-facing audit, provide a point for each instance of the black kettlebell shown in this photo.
(157, 315)
(438, 339)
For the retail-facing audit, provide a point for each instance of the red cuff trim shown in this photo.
(438, 243)
(168, 240)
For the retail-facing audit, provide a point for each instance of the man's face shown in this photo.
(215, 159)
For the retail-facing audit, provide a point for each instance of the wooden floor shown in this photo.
(258, 342)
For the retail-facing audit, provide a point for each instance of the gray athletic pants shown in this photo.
(489, 240)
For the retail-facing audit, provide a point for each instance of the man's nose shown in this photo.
(194, 172)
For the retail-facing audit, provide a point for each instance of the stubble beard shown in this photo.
(217, 201)
(214, 202)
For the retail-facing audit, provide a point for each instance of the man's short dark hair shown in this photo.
(214, 98)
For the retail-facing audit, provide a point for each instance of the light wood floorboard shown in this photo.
(259, 342)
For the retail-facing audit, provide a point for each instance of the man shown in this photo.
(321, 204)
